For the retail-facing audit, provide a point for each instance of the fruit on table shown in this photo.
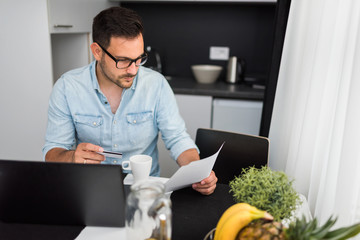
(298, 230)
(235, 218)
(243, 221)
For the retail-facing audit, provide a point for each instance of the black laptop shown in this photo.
(61, 193)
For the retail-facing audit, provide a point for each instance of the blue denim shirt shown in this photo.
(79, 112)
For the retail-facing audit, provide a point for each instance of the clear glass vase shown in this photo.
(148, 212)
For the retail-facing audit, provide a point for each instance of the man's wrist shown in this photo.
(72, 152)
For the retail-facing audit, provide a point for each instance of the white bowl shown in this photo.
(206, 73)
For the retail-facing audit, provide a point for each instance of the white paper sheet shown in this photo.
(185, 175)
(99, 233)
(191, 173)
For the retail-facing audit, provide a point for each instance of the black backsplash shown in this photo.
(183, 32)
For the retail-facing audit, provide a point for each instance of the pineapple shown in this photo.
(242, 221)
(262, 229)
(297, 230)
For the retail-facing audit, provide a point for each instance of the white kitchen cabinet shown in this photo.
(242, 116)
(69, 51)
(196, 112)
(74, 16)
(70, 24)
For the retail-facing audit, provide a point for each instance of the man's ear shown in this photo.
(96, 51)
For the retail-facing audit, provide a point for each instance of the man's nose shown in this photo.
(132, 69)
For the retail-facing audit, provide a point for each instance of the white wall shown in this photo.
(25, 78)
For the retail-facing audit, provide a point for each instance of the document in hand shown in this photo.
(191, 173)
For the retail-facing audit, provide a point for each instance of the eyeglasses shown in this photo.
(122, 63)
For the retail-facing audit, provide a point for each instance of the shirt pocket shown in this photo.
(141, 127)
(88, 128)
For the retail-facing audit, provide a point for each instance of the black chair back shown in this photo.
(239, 151)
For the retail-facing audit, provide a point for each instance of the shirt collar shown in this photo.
(94, 80)
(133, 86)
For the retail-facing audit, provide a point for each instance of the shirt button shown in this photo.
(115, 122)
(134, 121)
(94, 123)
(115, 145)
(106, 102)
(114, 161)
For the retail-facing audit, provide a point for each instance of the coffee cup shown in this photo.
(140, 165)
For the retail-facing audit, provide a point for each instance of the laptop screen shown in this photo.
(62, 193)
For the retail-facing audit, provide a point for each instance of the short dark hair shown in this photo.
(116, 22)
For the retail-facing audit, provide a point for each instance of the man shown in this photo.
(116, 104)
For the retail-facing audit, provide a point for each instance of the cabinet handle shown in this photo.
(62, 26)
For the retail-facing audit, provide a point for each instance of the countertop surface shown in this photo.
(219, 89)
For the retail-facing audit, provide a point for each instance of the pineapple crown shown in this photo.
(303, 230)
(300, 229)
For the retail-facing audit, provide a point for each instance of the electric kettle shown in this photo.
(154, 60)
(235, 70)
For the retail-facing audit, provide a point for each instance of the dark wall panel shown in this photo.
(183, 33)
(282, 14)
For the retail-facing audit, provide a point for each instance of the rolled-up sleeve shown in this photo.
(60, 128)
(171, 124)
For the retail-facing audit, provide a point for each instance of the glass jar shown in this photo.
(148, 212)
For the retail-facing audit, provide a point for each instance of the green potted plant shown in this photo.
(267, 190)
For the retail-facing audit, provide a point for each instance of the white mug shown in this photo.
(140, 165)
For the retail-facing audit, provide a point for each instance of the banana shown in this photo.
(232, 210)
(235, 218)
(233, 224)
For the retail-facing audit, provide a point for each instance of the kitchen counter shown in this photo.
(219, 89)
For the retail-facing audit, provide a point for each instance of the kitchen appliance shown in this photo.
(235, 70)
(154, 60)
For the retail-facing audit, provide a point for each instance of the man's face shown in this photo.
(121, 48)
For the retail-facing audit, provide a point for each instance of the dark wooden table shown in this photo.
(193, 216)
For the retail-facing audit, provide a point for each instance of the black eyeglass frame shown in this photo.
(144, 55)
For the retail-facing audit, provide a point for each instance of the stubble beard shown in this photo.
(122, 81)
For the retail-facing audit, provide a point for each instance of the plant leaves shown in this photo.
(343, 233)
(267, 190)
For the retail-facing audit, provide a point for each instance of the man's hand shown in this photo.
(206, 186)
(86, 153)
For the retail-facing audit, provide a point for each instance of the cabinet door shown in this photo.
(242, 116)
(74, 16)
(196, 112)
